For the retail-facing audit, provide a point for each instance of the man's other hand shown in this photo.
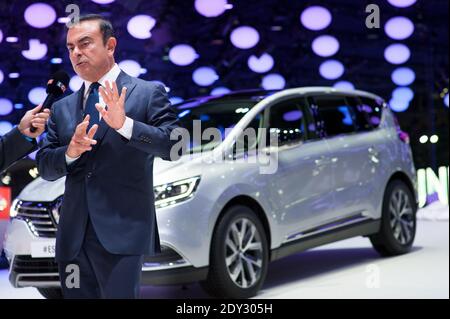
(82, 141)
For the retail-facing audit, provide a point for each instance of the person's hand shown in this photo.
(81, 141)
(114, 116)
(34, 118)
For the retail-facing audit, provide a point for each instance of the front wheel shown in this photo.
(398, 221)
(239, 255)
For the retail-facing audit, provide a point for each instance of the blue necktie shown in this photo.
(90, 105)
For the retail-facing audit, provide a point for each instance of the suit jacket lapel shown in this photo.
(74, 110)
(127, 81)
(79, 108)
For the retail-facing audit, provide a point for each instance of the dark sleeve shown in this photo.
(153, 136)
(51, 158)
(14, 146)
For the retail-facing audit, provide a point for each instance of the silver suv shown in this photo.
(340, 167)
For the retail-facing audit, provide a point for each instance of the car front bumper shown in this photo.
(169, 267)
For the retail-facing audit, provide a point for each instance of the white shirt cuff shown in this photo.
(127, 129)
(70, 160)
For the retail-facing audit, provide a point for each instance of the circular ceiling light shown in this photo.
(37, 95)
(244, 37)
(398, 105)
(6, 107)
(210, 8)
(344, 85)
(182, 54)
(402, 3)
(397, 53)
(5, 127)
(316, 18)
(205, 76)
(403, 94)
(273, 81)
(36, 51)
(403, 76)
(131, 67)
(75, 83)
(220, 90)
(103, 1)
(40, 15)
(325, 45)
(331, 69)
(261, 64)
(140, 26)
(399, 28)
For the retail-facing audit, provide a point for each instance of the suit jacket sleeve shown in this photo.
(153, 136)
(51, 158)
(14, 146)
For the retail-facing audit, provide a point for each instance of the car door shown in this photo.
(301, 186)
(379, 145)
(353, 161)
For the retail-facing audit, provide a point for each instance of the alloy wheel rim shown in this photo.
(401, 217)
(243, 253)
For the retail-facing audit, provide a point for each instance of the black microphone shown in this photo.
(56, 87)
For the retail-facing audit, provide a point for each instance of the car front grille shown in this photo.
(41, 217)
(25, 264)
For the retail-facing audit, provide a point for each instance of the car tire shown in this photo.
(398, 221)
(239, 255)
(51, 293)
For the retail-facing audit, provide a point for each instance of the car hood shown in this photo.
(43, 191)
(160, 166)
(46, 191)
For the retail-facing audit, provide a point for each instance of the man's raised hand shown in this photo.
(114, 116)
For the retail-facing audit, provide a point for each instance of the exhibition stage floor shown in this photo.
(347, 269)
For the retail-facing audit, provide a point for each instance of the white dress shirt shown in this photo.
(127, 129)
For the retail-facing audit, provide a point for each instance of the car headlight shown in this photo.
(172, 193)
(13, 210)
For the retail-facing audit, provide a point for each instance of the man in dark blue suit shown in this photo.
(20, 141)
(103, 138)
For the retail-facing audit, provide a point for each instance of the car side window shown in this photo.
(287, 119)
(373, 110)
(361, 119)
(336, 115)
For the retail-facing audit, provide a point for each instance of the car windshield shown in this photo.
(221, 115)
